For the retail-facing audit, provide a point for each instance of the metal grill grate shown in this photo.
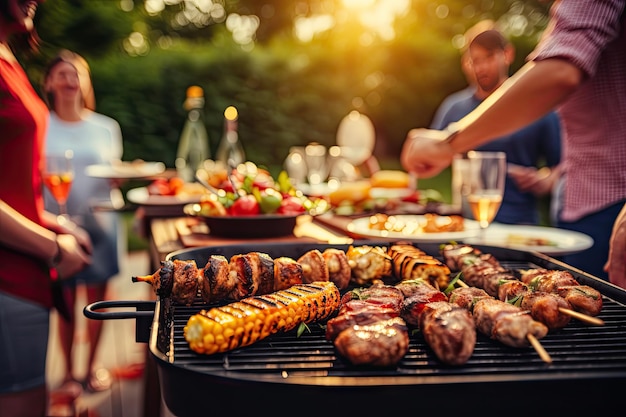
(577, 348)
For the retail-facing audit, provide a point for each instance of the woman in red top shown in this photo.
(34, 249)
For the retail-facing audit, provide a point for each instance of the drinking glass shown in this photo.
(317, 167)
(58, 177)
(486, 177)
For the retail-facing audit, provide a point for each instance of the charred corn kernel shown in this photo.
(247, 321)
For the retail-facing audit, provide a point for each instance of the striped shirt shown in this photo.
(590, 34)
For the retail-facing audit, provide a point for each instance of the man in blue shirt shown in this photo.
(537, 145)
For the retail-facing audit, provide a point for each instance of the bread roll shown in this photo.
(355, 192)
(390, 179)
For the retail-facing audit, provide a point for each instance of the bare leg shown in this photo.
(66, 334)
(94, 329)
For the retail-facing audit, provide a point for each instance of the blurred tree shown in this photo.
(292, 68)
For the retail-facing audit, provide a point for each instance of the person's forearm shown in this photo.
(23, 235)
(530, 94)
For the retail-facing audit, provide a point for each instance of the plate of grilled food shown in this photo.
(429, 227)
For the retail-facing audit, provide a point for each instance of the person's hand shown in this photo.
(616, 264)
(73, 258)
(531, 179)
(425, 153)
(80, 234)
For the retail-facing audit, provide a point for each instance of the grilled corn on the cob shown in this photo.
(247, 321)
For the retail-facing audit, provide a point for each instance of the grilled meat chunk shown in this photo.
(506, 323)
(339, 270)
(449, 330)
(287, 272)
(161, 281)
(382, 343)
(466, 297)
(546, 308)
(582, 298)
(186, 278)
(543, 306)
(413, 306)
(314, 267)
(216, 283)
(254, 274)
(358, 313)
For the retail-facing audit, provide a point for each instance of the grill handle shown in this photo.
(143, 315)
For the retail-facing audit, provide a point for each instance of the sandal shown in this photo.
(99, 380)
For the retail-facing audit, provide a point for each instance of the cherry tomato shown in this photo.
(159, 186)
(245, 205)
(291, 205)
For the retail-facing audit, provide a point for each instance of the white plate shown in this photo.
(126, 170)
(390, 193)
(529, 238)
(142, 197)
(319, 190)
(361, 227)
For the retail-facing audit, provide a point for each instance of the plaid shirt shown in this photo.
(591, 35)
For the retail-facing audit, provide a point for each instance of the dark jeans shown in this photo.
(599, 226)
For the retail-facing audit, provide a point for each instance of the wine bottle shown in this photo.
(230, 151)
(193, 146)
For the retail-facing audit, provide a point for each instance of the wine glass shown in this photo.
(486, 177)
(316, 163)
(58, 177)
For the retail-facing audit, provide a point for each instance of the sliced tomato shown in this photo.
(245, 205)
(291, 205)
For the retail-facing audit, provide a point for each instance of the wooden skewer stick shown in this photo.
(545, 356)
(582, 317)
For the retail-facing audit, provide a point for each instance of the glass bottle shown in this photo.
(230, 151)
(193, 146)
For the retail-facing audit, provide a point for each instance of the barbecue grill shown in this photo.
(304, 375)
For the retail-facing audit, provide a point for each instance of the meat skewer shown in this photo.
(484, 271)
(546, 307)
(245, 275)
(501, 321)
(583, 298)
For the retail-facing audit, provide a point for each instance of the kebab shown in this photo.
(245, 275)
(540, 293)
(242, 323)
(500, 320)
(483, 271)
(583, 298)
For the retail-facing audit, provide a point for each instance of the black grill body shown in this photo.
(304, 375)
